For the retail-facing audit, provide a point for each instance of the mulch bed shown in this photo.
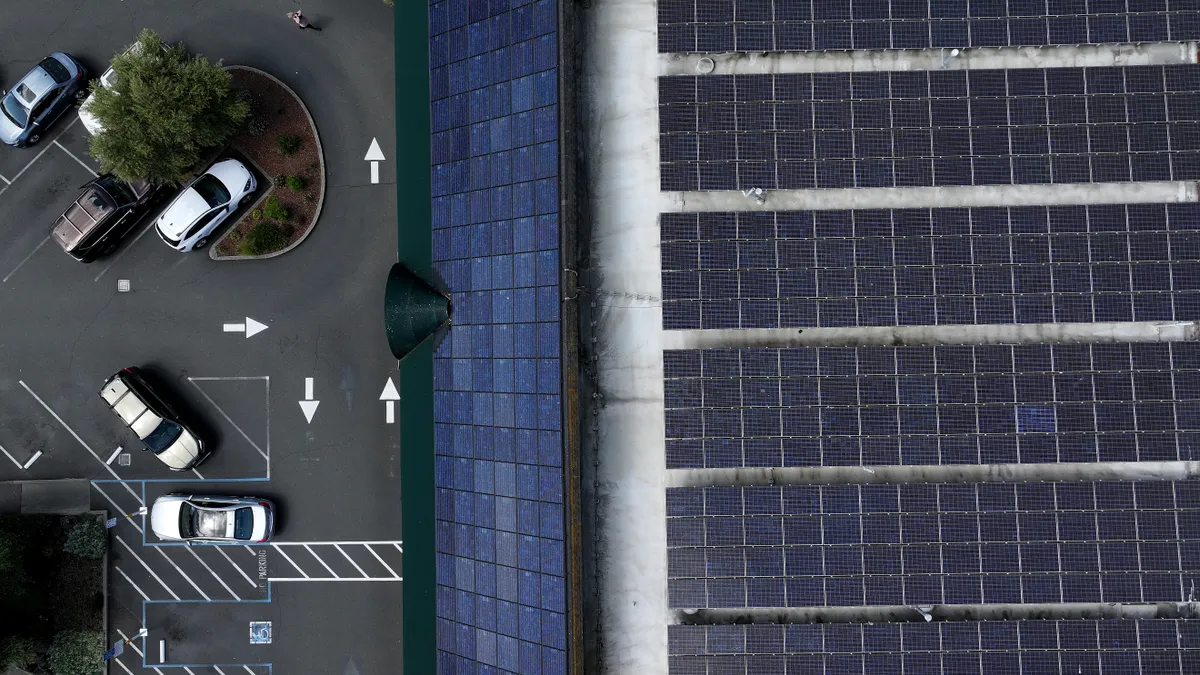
(282, 115)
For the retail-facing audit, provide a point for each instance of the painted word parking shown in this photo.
(166, 314)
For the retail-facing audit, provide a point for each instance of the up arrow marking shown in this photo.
(390, 395)
(308, 405)
(374, 156)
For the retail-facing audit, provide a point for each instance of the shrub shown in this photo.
(256, 214)
(279, 181)
(257, 126)
(308, 196)
(77, 652)
(264, 237)
(312, 166)
(18, 651)
(274, 209)
(288, 143)
(235, 236)
(87, 538)
(295, 183)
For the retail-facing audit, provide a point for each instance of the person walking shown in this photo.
(301, 20)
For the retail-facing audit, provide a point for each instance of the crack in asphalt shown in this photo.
(64, 22)
(83, 330)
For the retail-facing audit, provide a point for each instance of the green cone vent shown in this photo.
(412, 310)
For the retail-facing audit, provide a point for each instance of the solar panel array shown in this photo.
(1066, 647)
(927, 544)
(800, 25)
(502, 584)
(984, 404)
(1033, 264)
(930, 128)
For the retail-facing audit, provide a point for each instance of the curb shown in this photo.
(212, 248)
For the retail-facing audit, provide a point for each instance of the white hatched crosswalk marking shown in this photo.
(293, 562)
(322, 561)
(360, 570)
(352, 551)
(385, 565)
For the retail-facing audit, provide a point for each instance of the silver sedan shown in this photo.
(210, 519)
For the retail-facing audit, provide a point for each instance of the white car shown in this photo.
(210, 519)
(205, 204)
(107, 80)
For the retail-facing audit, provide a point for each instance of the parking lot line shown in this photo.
(293, 562)
(147, 568)
(214, 574)
(123, 666)
(135, 586)
(81, 163)
(139, 651)
(118, 508)
(81, 441)
(25, 259)
(37, 156)
(14, 459)
(6, 181)
(248, 670)
(240, 570)
(227, 418)
(185, 577)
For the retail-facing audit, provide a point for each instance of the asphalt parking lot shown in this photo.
(66, 326)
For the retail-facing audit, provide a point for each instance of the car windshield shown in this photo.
(186, 513)
(118, 191)
(166, 433)
(14, 111)
(243, 523)
(211, 189)
(55, 69)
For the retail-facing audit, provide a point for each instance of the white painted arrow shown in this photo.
(250, 328)
(391, 396)
(374, 156)
(308, 405)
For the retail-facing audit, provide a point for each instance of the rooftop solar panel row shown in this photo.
(932, 405)
(967, 543)
(1035, 264)
(802, 25)
(927, 128)
(1068, 647)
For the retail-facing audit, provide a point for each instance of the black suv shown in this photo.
(106, 212)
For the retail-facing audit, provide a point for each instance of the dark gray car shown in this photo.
(41, 97)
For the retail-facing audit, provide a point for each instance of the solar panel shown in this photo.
(980, 404)
(970, 543)
(1029, 264)
(786, 25)
(929, 128)
(1063, 647)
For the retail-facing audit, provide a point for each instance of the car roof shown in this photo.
(33, 86)
(82, 216)
(184, 211)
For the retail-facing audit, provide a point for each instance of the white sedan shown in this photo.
(208, 519)
(201, 208)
